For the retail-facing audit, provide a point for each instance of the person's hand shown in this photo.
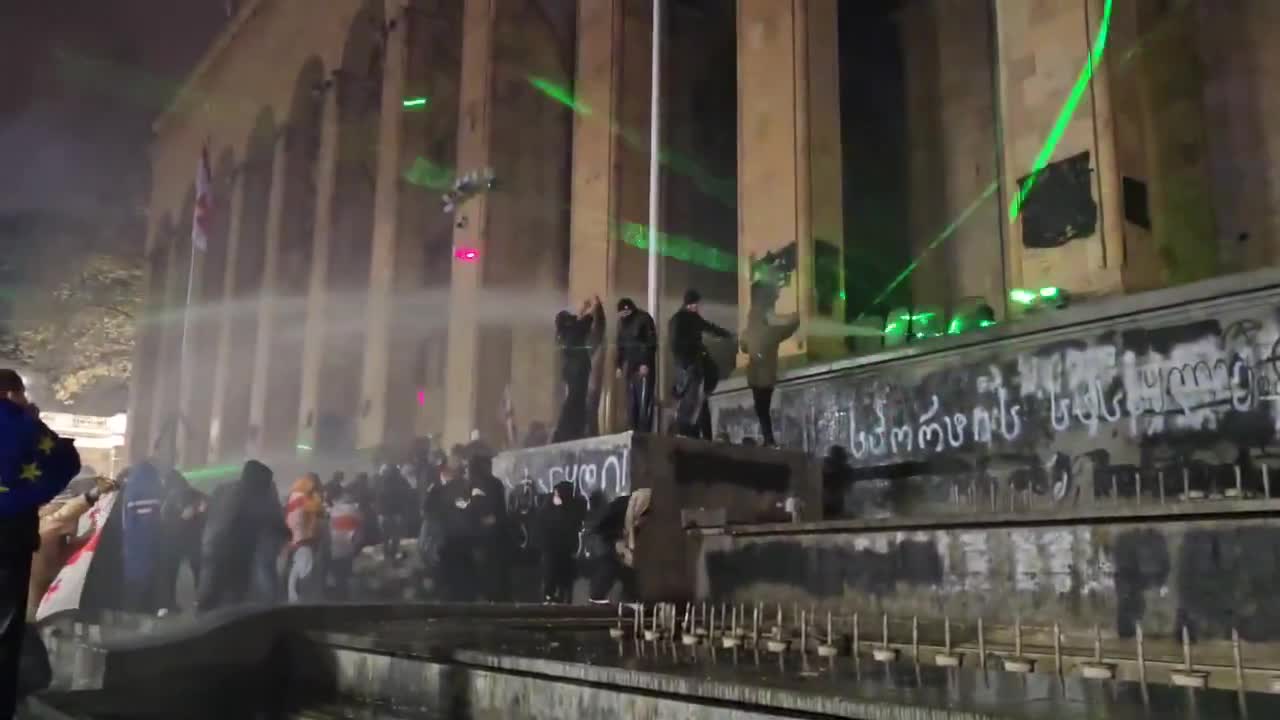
(106, 485)
(618, 373)
(643, 370)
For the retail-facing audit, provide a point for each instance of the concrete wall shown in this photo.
(1212, 575)
(747, 484)
(1068, 417)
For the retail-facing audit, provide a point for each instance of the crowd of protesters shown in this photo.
(443, 521)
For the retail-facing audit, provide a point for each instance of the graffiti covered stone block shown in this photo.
(1167, 403)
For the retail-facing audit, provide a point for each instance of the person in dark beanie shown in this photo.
(637, 357)
(694, 365)
(35, 465)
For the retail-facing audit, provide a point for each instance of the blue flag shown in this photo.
(35, 464)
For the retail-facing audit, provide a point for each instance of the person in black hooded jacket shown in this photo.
(696, 371)
(487, 517)
(573, 335)
(243, 535)
(637, 358)
(561, 524)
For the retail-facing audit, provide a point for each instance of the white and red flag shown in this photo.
(204, 203)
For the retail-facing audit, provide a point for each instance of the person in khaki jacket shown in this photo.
(59, 519)
(759, 341)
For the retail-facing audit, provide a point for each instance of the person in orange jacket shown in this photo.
(302, 513)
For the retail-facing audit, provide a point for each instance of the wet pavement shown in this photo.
(568, 645)
(792, 683)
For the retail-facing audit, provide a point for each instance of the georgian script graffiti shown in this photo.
(589, 471)
(937, 428)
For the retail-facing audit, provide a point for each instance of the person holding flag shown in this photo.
(35, 465)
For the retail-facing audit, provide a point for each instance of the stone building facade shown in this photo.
(919, 153)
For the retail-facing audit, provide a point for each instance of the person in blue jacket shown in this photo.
(35, 465)
(143, 497)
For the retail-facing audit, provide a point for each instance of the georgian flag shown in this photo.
(204, 203)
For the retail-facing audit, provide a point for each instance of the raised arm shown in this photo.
(713, 329)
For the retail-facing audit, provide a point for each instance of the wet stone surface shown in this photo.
(792, 683)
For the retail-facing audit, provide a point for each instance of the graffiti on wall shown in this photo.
(601, 465)
(1117, 407)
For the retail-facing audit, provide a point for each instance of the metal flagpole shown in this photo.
(184, 354)
(655, 136)
(184, 367)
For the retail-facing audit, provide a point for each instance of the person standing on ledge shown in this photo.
(693, 365)
(35, 465)
(760, 341)
(572, 334)
(637, 353)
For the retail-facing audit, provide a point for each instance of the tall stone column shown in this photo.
(610, 168)
(464, 367)
(168, 327)
(317, 293)
(790, 189)
(222, 352)
(142, 390)
(954, 213)
(379, 337)
(260, 392)
(1043, 47)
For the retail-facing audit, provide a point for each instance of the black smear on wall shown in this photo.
(1059, 207)
(1142, 564)
(825, 572)
(1230, 578)
(708, 468)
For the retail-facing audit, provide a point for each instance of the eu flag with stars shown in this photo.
(35, 464)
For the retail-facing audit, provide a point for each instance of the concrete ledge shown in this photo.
(1121, 512)
(662, 682)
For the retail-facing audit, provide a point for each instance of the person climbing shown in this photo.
(695, 369)
(637, 357)
(614, 531)
(760, 341)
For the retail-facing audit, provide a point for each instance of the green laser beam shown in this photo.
(416, 102)
(1065, 114)
(721, 189)
(560, 94)
(947, 232)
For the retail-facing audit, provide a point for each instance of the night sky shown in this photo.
(80, 83)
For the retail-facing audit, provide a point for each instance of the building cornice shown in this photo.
(211, 56)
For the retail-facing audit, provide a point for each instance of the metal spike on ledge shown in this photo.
(828, 648)
(1188, 676)
(946, 658)
(617, 632)
(883, 653)
(1098, 670)
(730, 639)
(1018, 663)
